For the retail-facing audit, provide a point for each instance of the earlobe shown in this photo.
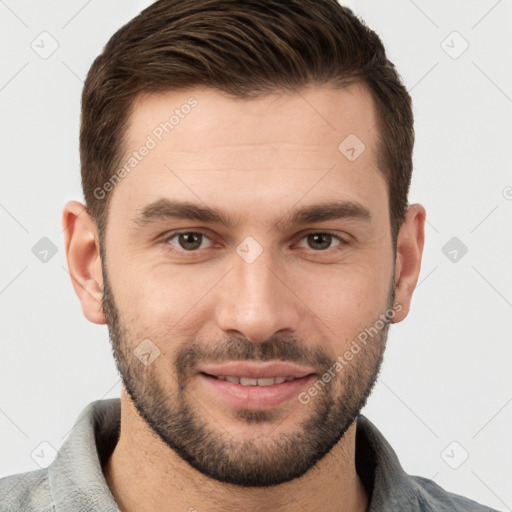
(410, 244)
(83, 257)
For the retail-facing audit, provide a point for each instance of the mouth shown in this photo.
(255, 386)
(251, 373)
(249, 381)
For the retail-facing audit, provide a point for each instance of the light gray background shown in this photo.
(447, 371)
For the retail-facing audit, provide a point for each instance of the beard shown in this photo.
(181, 421)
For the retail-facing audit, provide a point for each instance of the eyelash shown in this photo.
(169, 247)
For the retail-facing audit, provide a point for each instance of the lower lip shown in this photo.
(255, 397)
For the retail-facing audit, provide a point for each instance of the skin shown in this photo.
(256, 161)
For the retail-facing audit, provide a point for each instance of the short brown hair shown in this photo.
(246, 49)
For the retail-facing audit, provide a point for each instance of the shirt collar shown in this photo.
(75, 476)
(387, 484)
(77, 481)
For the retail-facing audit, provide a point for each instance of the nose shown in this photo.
(256, 300)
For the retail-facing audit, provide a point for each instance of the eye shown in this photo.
(188, 240)
(193, 241)
(320, 241)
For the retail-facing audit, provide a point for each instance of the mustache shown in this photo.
(277, 348)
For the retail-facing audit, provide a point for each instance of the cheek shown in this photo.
(160, 302)
(157, 297)
(347, 299)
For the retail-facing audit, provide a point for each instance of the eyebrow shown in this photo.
(163, 209)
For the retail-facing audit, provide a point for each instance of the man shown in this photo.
(248, 241)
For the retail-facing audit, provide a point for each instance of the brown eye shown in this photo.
(321, 241)
(188, 241)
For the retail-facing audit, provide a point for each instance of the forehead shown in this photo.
(196, 120)
(204, 146)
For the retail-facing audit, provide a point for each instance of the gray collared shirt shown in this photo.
(74, 481)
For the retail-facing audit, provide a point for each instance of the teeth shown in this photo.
(247, 381)
(267, 382)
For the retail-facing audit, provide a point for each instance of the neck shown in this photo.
(144, 474)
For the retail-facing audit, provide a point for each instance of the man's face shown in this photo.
(198, 294)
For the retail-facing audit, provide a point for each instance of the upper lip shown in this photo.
(256, 370)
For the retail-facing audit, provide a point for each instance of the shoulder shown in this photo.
(392, 488)
(28, 491)
(432, 497)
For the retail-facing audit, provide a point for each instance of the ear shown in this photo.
(410, 243)
(83, 257)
